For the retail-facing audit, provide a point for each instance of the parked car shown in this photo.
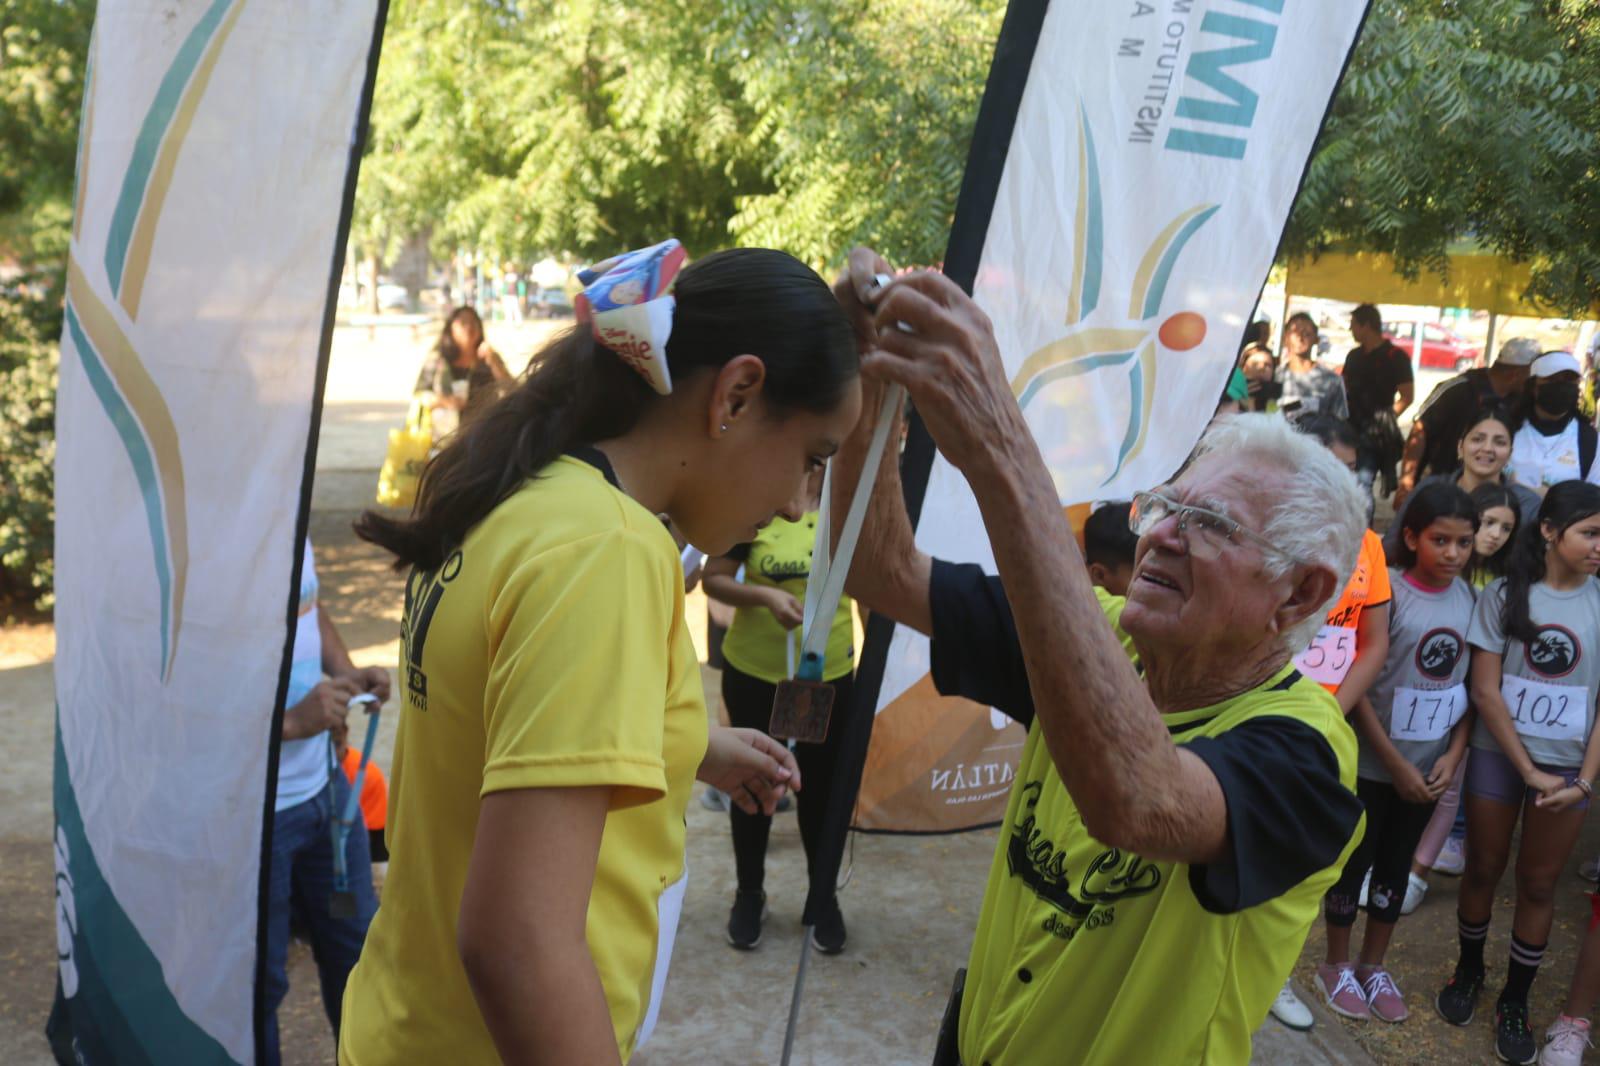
(1442, 349)
(552, 303)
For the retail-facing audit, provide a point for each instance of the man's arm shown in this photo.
(888, 574)
(1134, 787)
(1405, 393)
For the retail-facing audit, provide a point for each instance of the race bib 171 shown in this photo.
(1426, 714)
(1330, 656)
(1540, 709)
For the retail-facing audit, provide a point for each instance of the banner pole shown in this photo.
(341, 240)
(797, 994)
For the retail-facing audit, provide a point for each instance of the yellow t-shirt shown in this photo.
(549, 652)
(1085, 954)
(780, 557)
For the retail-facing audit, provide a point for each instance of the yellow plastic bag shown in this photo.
(408, 454)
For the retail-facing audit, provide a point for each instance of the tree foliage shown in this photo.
(1461, 121)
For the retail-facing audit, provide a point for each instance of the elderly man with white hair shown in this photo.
(1184, 798)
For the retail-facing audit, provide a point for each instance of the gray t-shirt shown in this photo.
(1421, 693)
(1318, 391)
(1549, 686)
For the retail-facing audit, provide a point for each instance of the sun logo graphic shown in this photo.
(1131, 348)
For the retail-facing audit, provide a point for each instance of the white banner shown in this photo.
(214, 154)
(1156, 152)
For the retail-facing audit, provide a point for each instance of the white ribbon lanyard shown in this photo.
(829, 568)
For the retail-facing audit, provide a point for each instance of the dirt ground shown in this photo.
(911, 902)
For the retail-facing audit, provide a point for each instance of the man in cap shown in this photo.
(1553, 444)
(1444, 416)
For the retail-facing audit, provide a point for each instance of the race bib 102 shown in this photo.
(1330, 656)
(1540, 709)
(1426, 714)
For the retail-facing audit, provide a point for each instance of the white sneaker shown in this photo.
(1288, 1009)
(1366, 883)
(1565, 1041)
(1416, 892)
(1452, 861)
(1590, 871)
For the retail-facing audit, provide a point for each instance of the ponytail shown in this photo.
(578, 392)
(1564, 506)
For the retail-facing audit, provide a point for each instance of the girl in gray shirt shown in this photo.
(1412, 734)
(1535, 640)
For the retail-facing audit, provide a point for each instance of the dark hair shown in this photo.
(1433, 501)
(446, 345)
(1565, 505)
(577, 392)
(1328, 430)
(1484, 499)
(1301, 316)
(1107, 538)
(1256, 333)
(1367, 315)
(1497, 412)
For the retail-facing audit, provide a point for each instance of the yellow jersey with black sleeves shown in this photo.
(780, 557)
(1080, 945)
(550, 651)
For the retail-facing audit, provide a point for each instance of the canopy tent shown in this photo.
(1476, 278)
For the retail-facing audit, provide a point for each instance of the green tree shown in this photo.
(43, 47)
(1466, 120)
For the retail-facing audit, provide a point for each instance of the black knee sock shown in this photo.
(1473, 935)
(1524, 965)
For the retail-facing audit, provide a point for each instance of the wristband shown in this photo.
(1582, 785)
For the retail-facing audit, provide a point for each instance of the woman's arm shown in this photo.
(724, 587)
(1487, 669)
(1560, 799)
(1408, 780)
(497, 366)
(1372, 648)
(522, 927)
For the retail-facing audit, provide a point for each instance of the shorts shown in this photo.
(1492, 776)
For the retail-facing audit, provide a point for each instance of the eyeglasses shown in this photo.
(1214, 533)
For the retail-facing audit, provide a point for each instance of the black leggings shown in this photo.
(1394, 827)
(749, 703)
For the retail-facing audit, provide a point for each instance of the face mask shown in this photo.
(1559, 398)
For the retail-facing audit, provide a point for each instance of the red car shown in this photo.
(1441, 348)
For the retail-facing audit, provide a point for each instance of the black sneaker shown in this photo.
(1513, 1040)
(828, 935)
(1458, 1000)
(744, 920)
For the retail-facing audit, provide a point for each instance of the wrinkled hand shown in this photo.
(788, 610)
(857, 291)
(751, 767)
(322, 709)
(1411, 785)
(950, 363)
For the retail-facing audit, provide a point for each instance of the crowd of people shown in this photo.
(1462, 652)
(1244, 709)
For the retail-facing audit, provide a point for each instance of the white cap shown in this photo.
(1518, 351)
(1550, 364)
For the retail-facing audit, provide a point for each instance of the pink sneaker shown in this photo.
(1342, 991)
(1384, 1000)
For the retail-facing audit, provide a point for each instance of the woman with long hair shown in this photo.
(555, 719)
(463, 373)
(1535, 641)
(1482, 455)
